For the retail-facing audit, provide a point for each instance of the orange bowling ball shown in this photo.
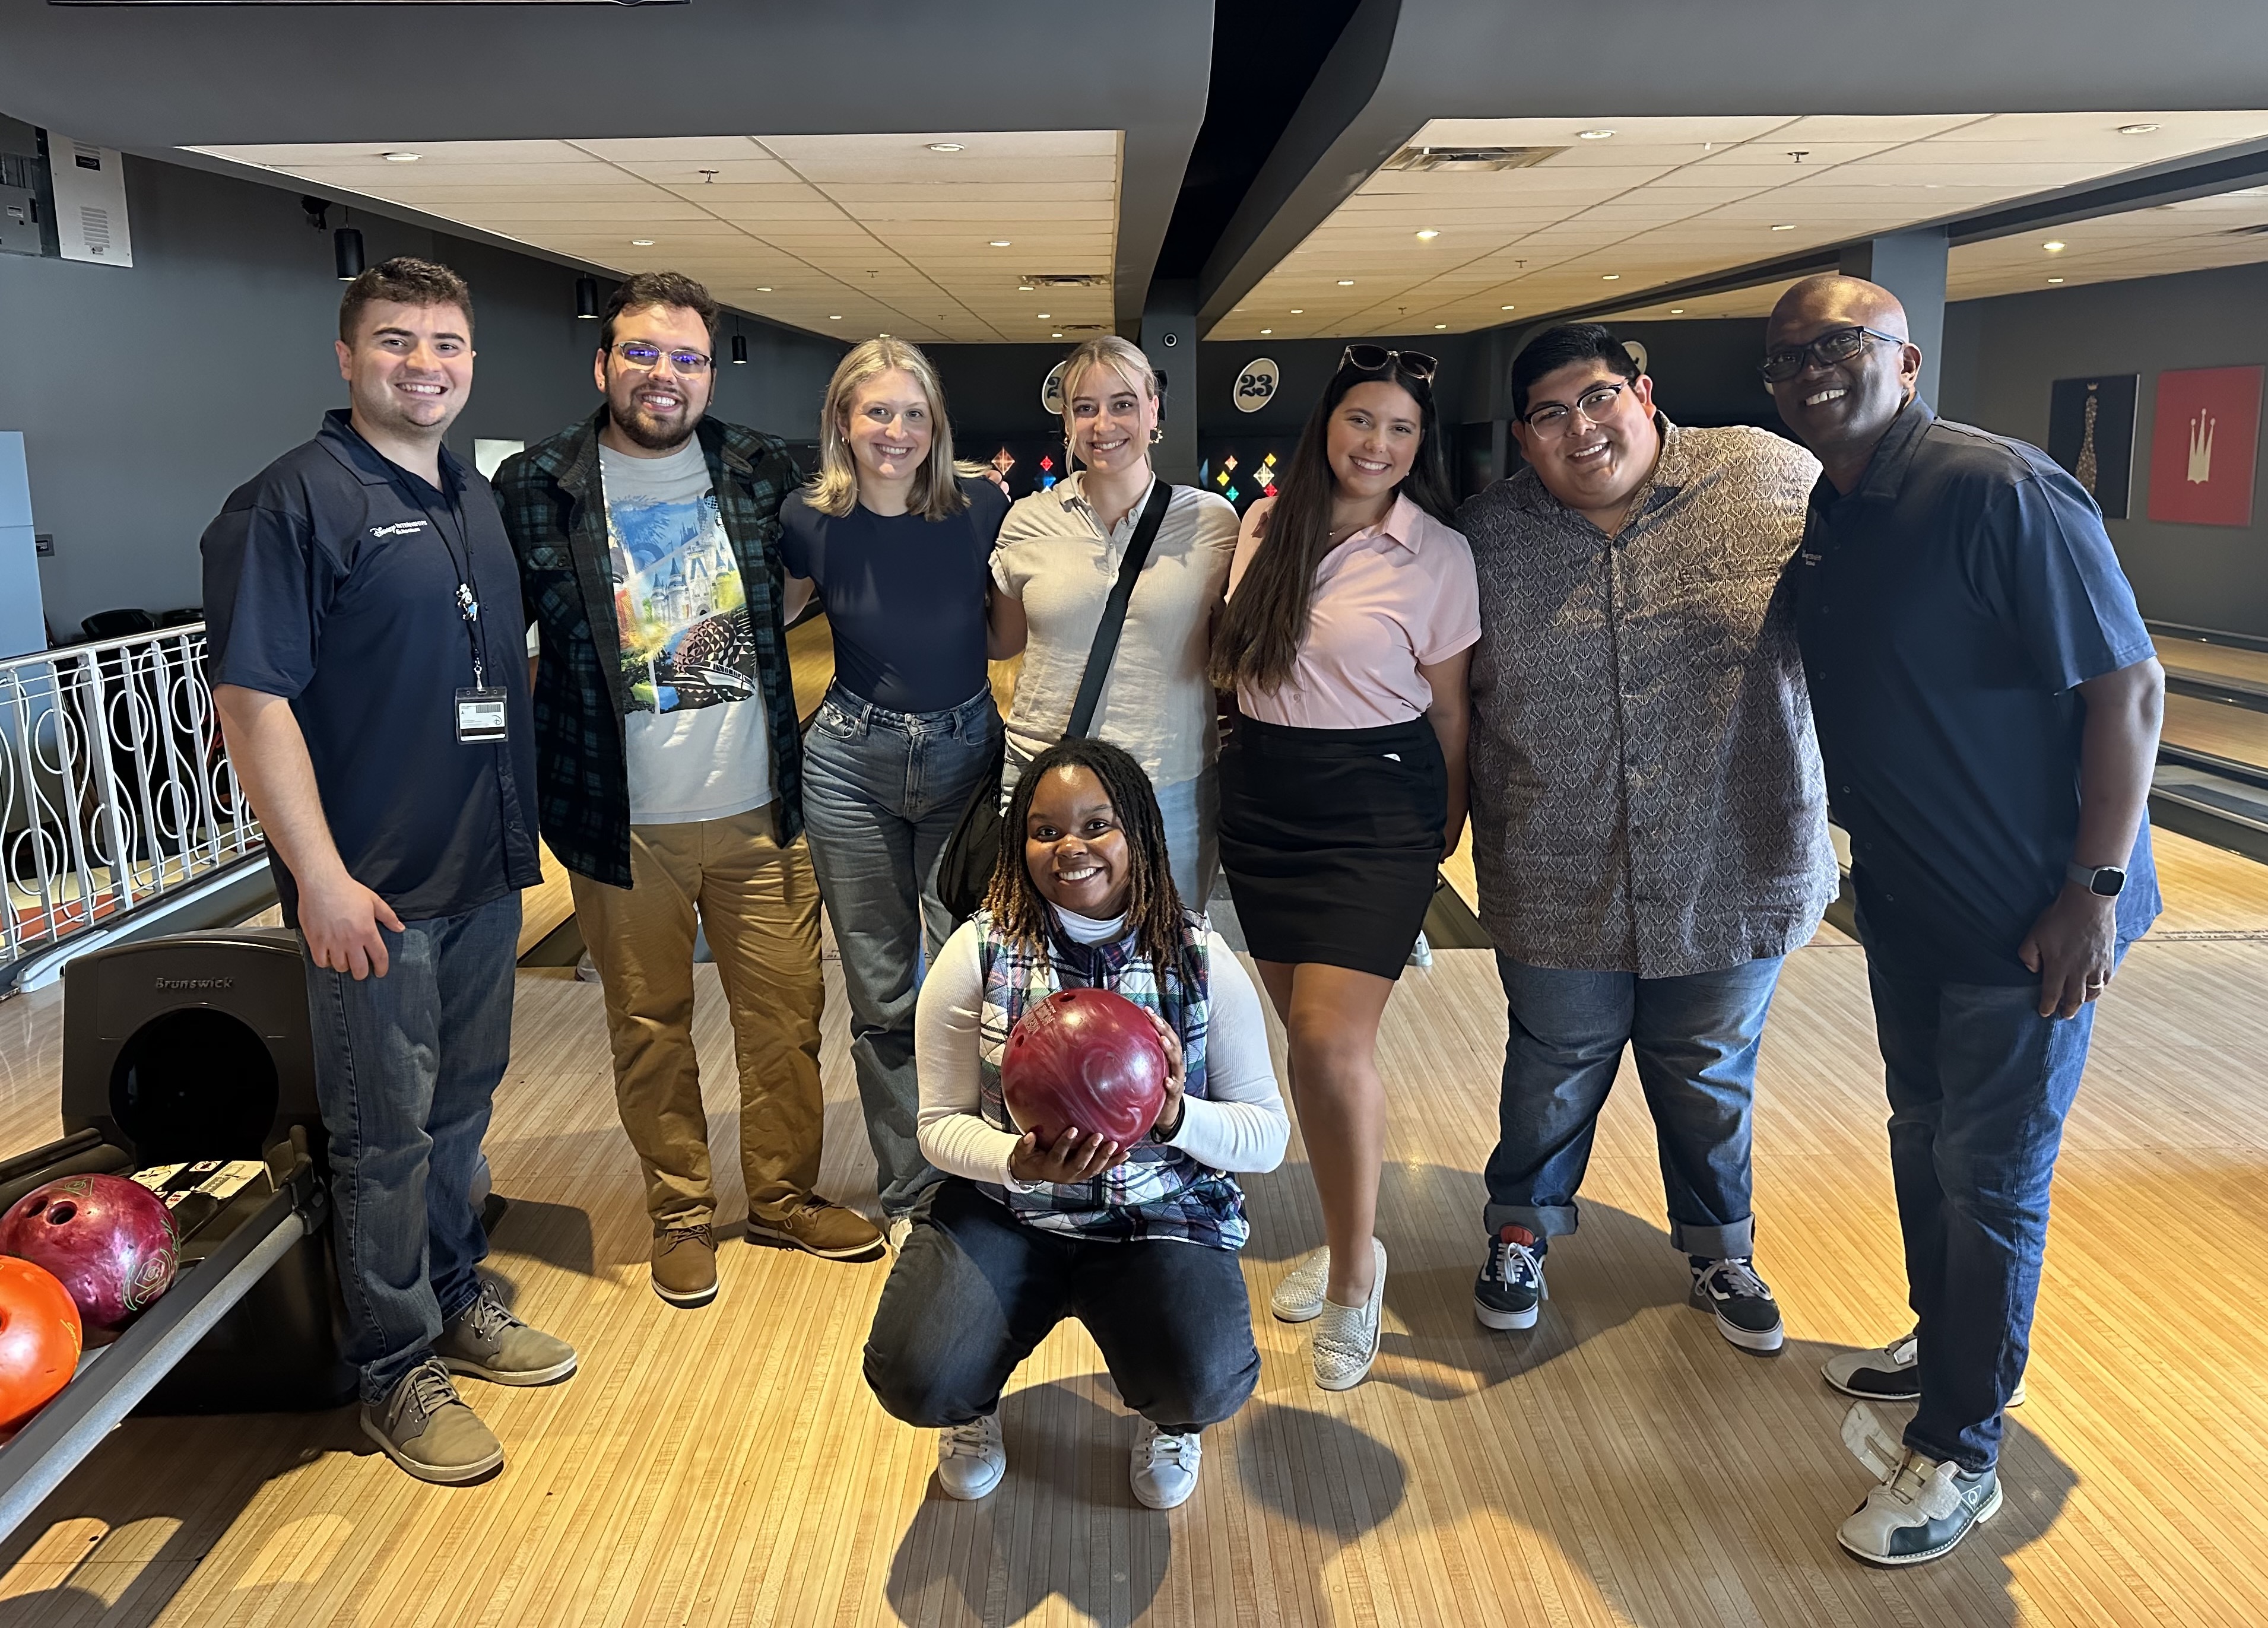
(38, 1340)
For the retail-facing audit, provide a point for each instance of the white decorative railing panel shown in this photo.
(115, 788)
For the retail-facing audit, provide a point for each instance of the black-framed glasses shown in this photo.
(1836, 345)
(1378, 359)
(636, 353)
(1555, 419)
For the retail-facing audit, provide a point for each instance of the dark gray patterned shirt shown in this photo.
(1646, 794)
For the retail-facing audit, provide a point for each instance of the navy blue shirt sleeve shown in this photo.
(2060, 582)
(264, 594)
(799, 539)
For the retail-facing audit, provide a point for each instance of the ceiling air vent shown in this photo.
(1470, 158)
(1066, 279)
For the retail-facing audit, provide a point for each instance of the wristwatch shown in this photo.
(2104, 880)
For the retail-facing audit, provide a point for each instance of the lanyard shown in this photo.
(467, 595)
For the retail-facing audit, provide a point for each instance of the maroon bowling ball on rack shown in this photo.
(1087, 1059)
(110, 1241)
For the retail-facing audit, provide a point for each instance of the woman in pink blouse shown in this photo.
(1351, 616)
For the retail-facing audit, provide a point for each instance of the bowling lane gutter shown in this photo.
(112, 1381)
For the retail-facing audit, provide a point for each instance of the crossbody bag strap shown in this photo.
(1113, 611)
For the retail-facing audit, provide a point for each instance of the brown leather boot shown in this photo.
(685, 1264)
(829, 1231)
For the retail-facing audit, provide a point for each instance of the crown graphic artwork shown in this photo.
(2201, 449)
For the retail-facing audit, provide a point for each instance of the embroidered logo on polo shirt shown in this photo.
(400, 528)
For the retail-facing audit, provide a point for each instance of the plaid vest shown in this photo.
(1158, 1191)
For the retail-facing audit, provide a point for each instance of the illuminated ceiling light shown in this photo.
(1266, 331)
(1440, 327)
(1427, 234)
(1296, 312)
(1790, 226)
(1507, 307)
(2136, 129)
(1001, 243)
(2054, 245)
(1044, 317)
(1677, 311)
(763, 290)
(740, 350)
(1612, 276)
(1346, 282)
(945, 147)
(834, 318)
(401, 158)
(2055, 279)
(1055, 335)
(641, 242)
(1593, 136)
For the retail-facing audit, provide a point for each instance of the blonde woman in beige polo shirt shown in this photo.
(1058, 555)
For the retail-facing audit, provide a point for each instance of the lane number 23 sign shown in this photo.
(1256, 384)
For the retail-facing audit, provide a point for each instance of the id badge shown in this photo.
(480, 715)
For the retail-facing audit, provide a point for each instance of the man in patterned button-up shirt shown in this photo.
(1649, 818)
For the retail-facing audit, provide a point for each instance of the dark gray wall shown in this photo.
(146, 394)
(2206, 576)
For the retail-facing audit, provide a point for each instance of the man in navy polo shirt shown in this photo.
(373, 695)
(1988, 701)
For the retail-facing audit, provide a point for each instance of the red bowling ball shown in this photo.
(1087, 1059)
(109, 1240)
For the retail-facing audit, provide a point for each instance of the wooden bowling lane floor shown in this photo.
(1620, 1465)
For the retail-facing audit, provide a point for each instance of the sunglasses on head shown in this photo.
(1378, 359)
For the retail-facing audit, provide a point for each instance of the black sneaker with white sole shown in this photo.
(1746, 1313)
(1510, 1287)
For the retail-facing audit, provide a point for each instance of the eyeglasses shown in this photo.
(636, 353)
(1556, 418)
(1378, 359)
(1836, 345)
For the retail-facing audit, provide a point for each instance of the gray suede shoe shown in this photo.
(489, 1343)
(425, 1427)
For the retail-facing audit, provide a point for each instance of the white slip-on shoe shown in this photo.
(971, 1458)
(1298, 1295)
(1164, 1470)
(1345, 1342)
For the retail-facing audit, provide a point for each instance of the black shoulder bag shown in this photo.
(964, 870)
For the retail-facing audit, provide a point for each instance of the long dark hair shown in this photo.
(1258, 638)
(1154, 908)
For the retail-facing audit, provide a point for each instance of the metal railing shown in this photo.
(115, 788)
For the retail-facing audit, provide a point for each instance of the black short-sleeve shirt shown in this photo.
(904, 596)
(1947, 609)
(330, 579)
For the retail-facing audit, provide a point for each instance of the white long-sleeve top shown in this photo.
(1239, 1124)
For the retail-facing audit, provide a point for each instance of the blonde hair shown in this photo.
(936, 494)
(1121, 356)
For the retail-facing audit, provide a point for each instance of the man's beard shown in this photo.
(650, 432)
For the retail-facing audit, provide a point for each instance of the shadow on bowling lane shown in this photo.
(1064, 1522)
(86, 1554)
(557, 1234)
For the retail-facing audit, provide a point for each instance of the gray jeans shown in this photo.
(881, 793)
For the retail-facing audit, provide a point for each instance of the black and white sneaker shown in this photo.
(1747, 1314)
(1920, 1510)
(1510, 1287)
(1890, 1374)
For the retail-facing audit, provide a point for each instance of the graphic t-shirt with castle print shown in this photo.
(696, 738)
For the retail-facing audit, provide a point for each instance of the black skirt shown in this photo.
(1331, 839)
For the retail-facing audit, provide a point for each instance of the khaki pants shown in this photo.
(760, 905)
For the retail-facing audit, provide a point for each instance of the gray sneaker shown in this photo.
(489, 1343)
(425, 1427)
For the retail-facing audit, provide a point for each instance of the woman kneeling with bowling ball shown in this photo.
(1137, 1243)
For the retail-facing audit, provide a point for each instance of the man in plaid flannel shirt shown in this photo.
(669, 768)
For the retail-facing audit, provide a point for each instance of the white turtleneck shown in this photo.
(1239, 1124)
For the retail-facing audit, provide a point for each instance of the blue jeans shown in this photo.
(1190, 810)
(881, 793)
(406, 1066)
(1979, 1084)
(1695, 1039)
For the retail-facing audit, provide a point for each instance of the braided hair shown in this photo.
(1154, 908)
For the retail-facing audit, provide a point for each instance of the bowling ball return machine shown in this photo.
(194, 1051)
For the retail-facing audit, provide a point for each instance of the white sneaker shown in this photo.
(1298, 1297)
(1920, 1510)
(971, 1458)
(897, 1230)
(1164, 1471)
(1345, 1342)
(1891, 1373)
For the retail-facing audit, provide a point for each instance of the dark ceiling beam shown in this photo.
(150, 77)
